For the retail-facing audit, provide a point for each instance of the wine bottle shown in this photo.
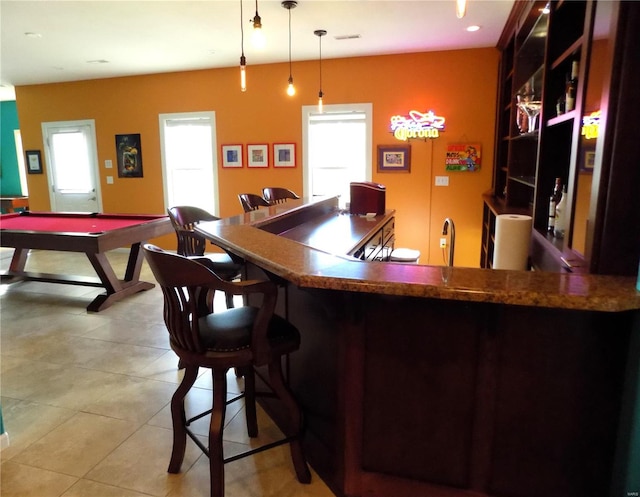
(561, 216)
(571, 87)
(553, 202)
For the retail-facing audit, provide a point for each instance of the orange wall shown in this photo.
(459, 85)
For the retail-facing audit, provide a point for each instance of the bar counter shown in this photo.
(434, 381)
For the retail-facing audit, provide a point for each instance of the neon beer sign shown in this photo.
(590, 125)
(417, 125)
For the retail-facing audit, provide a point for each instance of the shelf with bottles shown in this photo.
(562, 86)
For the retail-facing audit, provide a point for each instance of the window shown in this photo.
(337, 149)
(189, 160)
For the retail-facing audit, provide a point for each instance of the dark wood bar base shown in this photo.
(455, 382)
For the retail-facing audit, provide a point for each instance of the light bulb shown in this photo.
(320, 102)
(243, 74)
(461, 8)
(257, 36)
(291, 90)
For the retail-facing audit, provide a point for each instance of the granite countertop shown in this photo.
(309, 267)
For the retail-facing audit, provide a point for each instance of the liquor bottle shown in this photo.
(571, 87)
(561, 216)
(553, 202)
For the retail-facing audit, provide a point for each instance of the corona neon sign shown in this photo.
(417, 125)
(590, 125)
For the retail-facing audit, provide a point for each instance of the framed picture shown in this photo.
(284, 155)
(231, 155)
(394, 158)
(258, 155)
(129, 155)
(586, 166)
(34, 162)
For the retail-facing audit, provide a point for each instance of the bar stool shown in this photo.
(251, 201)
(277, 195)
(191, 244)
(242, 337)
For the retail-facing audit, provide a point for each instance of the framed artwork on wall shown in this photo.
(394, 158)
(129, 154)
(231, 155)
(258, 155)
(34, 162)
(284, 155)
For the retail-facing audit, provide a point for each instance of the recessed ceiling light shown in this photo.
(346, 37)
(32, 35)
(98, 61)
(473, 28)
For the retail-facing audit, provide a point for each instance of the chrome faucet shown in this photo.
(449, 226)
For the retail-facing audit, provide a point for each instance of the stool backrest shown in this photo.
(251, 201)
(184, 218)
(188, 288)
(277, 195)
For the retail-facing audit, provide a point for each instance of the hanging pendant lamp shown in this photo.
(257, 38)
(320, 33)
(243, 60)
(290, 4)
(461, 8)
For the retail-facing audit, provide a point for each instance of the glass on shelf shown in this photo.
(528, 108)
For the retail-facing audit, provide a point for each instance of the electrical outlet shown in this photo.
(443, 242)
(442, 180)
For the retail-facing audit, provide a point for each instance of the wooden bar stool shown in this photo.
(251, 201)
(242, 337)
(277, 195)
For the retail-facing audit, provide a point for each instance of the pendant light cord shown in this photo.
(242, 29)
(289, 9)
(320, 37)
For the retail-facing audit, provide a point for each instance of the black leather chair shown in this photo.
(277, 195)
(191, 244)
(251, 201)
(242, 337)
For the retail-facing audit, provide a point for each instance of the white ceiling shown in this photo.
(150, 36)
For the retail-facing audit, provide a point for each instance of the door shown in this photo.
(70, 151)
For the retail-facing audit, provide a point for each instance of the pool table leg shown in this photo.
(116, 288)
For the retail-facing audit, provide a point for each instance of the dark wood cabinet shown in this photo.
(540, 45)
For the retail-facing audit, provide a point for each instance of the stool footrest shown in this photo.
(247, 453)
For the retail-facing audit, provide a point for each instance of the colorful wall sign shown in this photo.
(417, 125)
(463, 157)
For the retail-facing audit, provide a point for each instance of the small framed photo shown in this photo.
(231, 155)
(394, 158)
(258, 155)
(284, 155)
(34, 161)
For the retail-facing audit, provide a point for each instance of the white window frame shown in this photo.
(308, 110)
(214, 206)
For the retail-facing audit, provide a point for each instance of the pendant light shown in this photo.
(461, 8)
(257, 38)
(290, 4)
(320, 33)
(243, 60)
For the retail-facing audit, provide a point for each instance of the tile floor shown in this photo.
(85, 399)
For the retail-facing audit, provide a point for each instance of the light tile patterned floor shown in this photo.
(85, 399)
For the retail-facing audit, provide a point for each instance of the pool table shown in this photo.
(91, 233)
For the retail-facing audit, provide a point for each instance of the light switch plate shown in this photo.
(442, 180)
(109, 180)
(108, 164)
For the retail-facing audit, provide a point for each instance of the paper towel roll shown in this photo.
(512, 239)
